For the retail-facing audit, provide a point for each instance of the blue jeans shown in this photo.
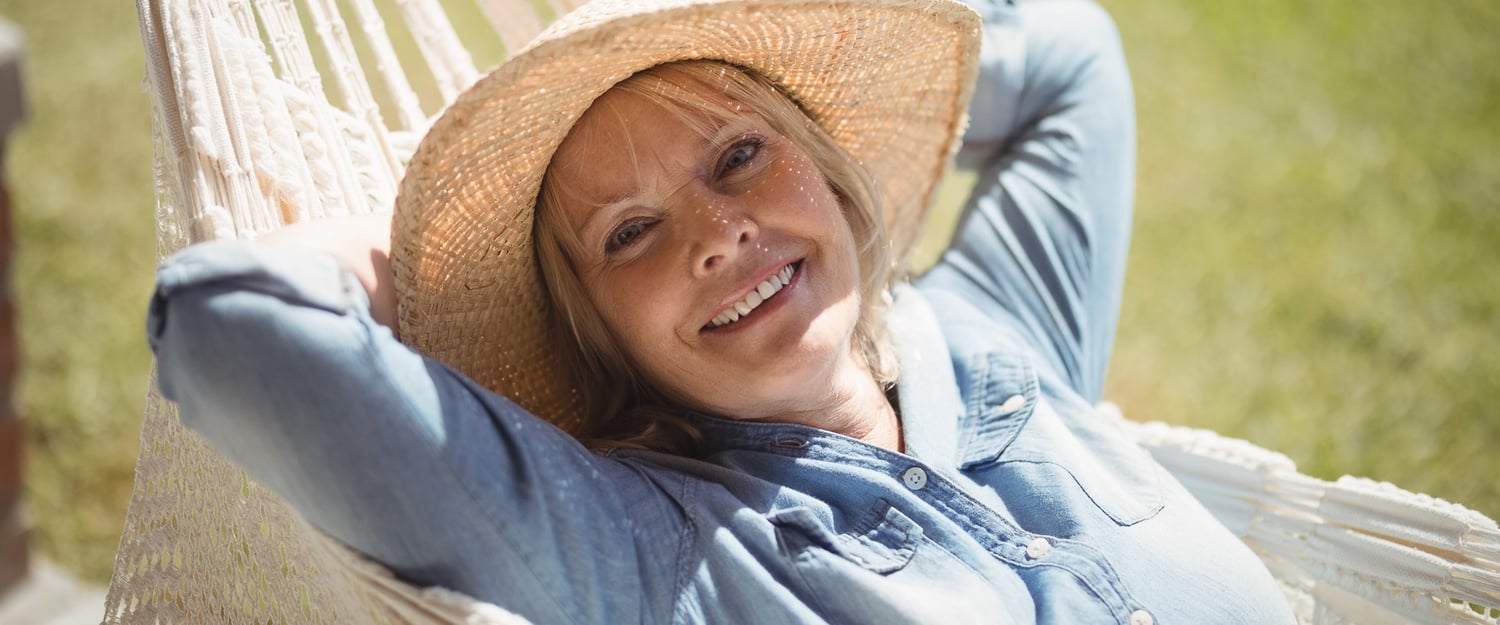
(1013, 502)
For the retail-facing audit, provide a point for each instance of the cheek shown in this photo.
(799, 188)
(641, 315)
(634, 305)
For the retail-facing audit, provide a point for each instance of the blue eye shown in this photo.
(737, 158)
(741, 153)
(625, 236)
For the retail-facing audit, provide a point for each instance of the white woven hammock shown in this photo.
(248, 140)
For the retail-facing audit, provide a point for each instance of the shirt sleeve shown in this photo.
(1043, 238)
(272, 356)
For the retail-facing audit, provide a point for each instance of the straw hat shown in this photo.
(889, 80)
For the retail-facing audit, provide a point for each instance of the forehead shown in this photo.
(627, 135)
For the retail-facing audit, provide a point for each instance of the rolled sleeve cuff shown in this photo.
(298, 277)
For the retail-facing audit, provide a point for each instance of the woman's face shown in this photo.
(722, 260)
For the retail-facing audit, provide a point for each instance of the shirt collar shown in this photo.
(931, 405)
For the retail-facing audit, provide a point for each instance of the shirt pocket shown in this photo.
(1116, 475)
(885, 570)
(1024, 443)
(883, 543)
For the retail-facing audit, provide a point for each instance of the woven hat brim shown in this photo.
(889, 80)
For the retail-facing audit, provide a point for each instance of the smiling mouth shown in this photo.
(762, 292)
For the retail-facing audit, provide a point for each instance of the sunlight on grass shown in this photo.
(1313, 267)
(1314, 261)
(80, 170)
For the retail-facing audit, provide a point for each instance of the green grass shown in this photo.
(1314, 266)
(80, 174)
(1317, 248)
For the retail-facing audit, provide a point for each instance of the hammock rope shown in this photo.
(248, 140)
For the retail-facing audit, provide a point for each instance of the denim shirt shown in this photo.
(1013, 501)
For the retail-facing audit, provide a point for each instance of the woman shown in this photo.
(781, 432)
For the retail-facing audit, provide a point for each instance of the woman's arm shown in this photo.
(362, 244)
(273, 356)
(1044, 236)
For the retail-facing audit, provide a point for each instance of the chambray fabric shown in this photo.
(1014, 501)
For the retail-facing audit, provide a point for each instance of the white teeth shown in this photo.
(762, 292)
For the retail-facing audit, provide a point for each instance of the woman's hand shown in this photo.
(362, 244)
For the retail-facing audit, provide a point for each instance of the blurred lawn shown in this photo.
(1314, 266)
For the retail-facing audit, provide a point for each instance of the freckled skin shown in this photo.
(708, 233)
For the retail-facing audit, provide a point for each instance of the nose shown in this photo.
(720, 230)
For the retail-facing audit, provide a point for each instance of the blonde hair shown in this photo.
(620, 408)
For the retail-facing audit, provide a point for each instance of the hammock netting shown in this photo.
(269, 112)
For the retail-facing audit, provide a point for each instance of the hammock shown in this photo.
(249, 140)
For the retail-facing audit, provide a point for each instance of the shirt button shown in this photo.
(1012, 404)
(914, 478)
(1039, 547)
(1141, 617)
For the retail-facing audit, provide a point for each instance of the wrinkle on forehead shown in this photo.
(578, 158)
(627, 132)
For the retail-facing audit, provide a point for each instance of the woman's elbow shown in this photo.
(225, 317)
